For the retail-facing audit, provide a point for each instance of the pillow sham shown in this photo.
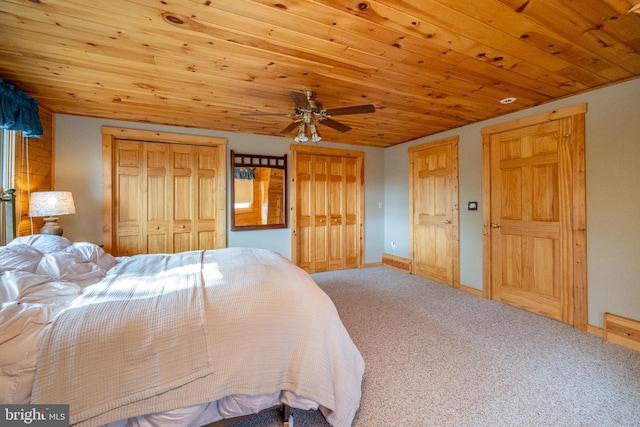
(82, 263)
(45, 243)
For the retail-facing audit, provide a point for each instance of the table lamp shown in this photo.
(51, 204)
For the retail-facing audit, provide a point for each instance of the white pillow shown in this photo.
(19, 256)
(82, 263)
(45, 243)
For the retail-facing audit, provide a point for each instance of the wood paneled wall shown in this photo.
(33, 171)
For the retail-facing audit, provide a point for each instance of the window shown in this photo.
(7, 158)
(7, 210)
(243, 194)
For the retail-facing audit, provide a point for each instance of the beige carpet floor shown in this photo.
(436, 356)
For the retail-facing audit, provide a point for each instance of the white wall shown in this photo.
(78, 168)
(613, 198)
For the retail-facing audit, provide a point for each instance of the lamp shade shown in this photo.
(51, 203)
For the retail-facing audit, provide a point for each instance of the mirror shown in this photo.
(258, 192)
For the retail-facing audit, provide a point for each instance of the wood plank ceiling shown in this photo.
(426, 65)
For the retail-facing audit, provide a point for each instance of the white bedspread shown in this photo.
(252, 324)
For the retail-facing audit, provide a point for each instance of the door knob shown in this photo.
(446, 221)
(495, 225)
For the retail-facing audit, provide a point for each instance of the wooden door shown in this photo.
(343, 213)
(312, 232)
(530, 217)
(535, 188)
(181, 197)
(208, 201)
(434, 210)
(320, 194)
(128, 177)
(165, 196)
(336, 204)
(351, 212)
(327, 209)
(156, 198)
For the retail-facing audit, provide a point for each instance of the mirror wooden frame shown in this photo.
(258, 161)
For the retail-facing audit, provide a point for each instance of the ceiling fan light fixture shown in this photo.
(301, 137)
(315, 134)
(309, 112)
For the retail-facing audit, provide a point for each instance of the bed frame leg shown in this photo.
(286, 416)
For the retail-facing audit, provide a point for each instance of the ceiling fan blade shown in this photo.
(291, 127)
(335, 125)
(356, 109)
(300, 99)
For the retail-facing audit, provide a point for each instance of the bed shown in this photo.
(182, 339)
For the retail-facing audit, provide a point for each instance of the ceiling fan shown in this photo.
(308, 113)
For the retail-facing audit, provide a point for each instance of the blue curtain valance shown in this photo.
(19, 111)
(244, 173)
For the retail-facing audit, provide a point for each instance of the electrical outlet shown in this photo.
(393, 245)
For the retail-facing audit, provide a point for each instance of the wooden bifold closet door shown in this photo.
(327, 199)
(162, 197)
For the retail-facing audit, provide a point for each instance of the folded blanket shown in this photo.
(124, 340)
